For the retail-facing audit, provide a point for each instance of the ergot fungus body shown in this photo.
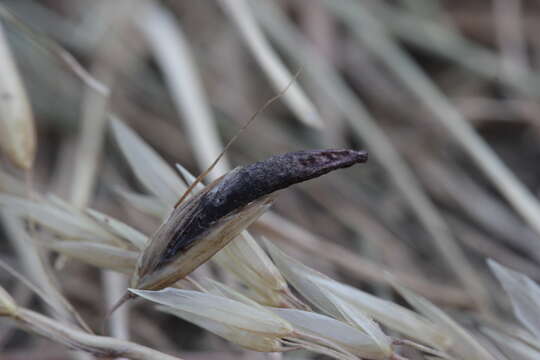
(203, 224)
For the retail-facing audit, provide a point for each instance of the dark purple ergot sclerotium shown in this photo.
(246, 184)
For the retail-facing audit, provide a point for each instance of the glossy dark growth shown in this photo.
(249, 183)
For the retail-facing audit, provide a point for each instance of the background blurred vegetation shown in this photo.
(444, 95)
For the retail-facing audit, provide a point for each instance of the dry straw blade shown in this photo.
(7, 304)
(10, 185)
(132, 236)
(512, 347)
(358, 319)
(464, 345)
(332, 331)
(250, 326)
(97, 254)
(270, 63)
(524, 294)
(17, 129)
(315, 287)
(62, 221)
(174, 55)
(151, 170)
(73, 338)
(249, 263)
(244, 338)
(147, 204)
(91, 237)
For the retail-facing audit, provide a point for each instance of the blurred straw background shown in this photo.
(443, 94)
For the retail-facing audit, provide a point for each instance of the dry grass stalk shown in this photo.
(73, 338)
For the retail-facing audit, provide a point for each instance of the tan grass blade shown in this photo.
(51, 297)
(220, 309)
(524, 294)
(150, 168)
(464, 344)
(120, 229)
(244, 338)
(353, 340)
(513, 348)
(12, 186)
(146, 204)
(315, 286)
(62, 221)
(100, 255)
(174, 56)
(100, 346)
(269, 61)
(252, 327)
(37, 269)
(7, 304)
(358, 319)
(248, 262)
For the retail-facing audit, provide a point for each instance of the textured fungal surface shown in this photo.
(246, 184)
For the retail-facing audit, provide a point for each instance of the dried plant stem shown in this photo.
(101, 346)
(114, 285)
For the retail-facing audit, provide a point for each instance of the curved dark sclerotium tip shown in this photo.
(278, 172)
(249, 183)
